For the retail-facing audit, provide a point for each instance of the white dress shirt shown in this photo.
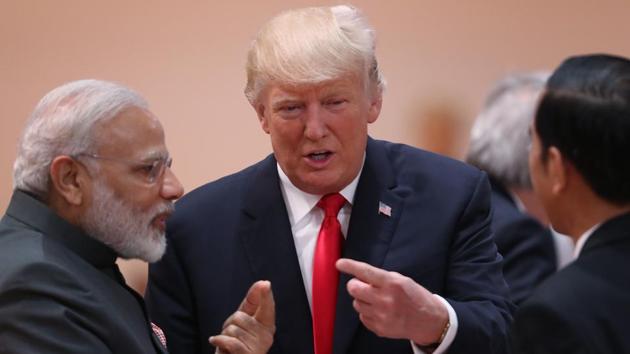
(306, 219)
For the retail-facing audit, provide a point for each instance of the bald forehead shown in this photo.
(133, 132)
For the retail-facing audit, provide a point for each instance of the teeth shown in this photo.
(319, 155)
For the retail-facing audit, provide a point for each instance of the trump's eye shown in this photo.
(290, 110)
(336, 103)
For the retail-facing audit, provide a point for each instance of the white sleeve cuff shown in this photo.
(450, 333)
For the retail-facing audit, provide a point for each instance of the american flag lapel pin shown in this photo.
(384, 209)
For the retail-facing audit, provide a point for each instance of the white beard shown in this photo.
(126, 230)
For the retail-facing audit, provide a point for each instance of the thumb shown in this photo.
(252, 300)
(266, 313)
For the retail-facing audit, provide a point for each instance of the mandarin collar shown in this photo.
(32, 212)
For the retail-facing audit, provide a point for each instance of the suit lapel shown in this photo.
(369, 233)
(268, 242)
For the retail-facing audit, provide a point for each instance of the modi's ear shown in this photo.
(557, 168)
(69, 179)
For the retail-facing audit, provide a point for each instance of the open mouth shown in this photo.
(319, 156)
(160, 220)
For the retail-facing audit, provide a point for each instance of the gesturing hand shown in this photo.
(394, 306)
(250, 329)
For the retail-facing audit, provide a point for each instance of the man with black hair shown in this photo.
(580, 171)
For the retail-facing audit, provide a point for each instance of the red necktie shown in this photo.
(325, 275)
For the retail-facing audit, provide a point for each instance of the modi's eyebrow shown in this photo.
(154, 155)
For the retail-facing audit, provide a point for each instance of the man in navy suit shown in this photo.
(420, 270)
(499, 145)
(580, 171)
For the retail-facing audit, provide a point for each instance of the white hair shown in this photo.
(313, 45)
(125, 229)
(499, 138)
(62, 124)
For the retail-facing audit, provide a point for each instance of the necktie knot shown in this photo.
(331, 204)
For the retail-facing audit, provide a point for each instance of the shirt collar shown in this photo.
(300, 203)
(579, 245)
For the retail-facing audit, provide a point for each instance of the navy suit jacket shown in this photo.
(234, 231)
(585, 307)
(527, 247)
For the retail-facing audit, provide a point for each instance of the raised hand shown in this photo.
(394, 306)
(250, 329)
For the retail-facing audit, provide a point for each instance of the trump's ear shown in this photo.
(376, 102)
(69, 179)
(263, 116)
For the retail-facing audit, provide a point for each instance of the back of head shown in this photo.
(62, 124)
(499, 138)
(312, 45)
(585, 113)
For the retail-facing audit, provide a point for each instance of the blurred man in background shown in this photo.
(499, 144)
(423, 272)
(580, 171)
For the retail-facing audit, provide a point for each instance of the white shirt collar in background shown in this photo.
(579, 245)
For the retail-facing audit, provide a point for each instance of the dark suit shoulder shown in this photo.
(416, 169)
(505, 210)
(15, 236)
(513, 228)
(408, 158)
(548, 321)
(34, 263)
(526, 245)
(52, 300)
(27, 251)
(573, 288)
(541, 329)
(590, 296)
(224, 189)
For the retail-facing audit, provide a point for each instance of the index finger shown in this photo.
(362, 271)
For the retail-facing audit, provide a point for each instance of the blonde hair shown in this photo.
(312, 45)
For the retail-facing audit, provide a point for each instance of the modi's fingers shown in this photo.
(227, 344)
(251, 328)
(257, 295)
(266, 313)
